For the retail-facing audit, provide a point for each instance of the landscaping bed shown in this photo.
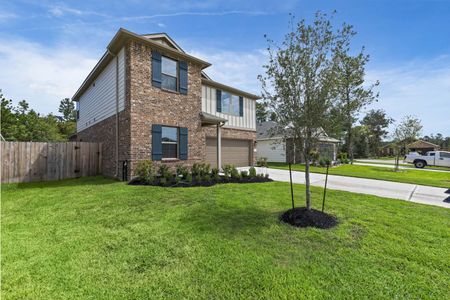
(200, 174)
(302, 217)
(221, 180)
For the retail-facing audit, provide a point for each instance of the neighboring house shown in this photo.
(387, 150)
(146, 99)
(422, 147)
(276, 148)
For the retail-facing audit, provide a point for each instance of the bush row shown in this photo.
(148, 173)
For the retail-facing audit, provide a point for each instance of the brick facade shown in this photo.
(146, 105)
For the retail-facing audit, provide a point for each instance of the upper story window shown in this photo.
(169, 74)
(169, 140)
(169, 71)
(230, 104)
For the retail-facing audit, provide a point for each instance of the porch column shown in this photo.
(219, 148)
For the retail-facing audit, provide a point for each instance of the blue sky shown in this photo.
(48, 47)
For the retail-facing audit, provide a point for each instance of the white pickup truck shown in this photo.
(431, 158)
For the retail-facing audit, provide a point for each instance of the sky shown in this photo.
(47, 48)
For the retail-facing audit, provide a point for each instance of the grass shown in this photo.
(438, 179)
(94, 238)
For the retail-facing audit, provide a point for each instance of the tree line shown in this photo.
(21, 123)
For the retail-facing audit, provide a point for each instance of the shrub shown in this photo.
(215, 174)
(322, 162)
(145, 171)
(244, 174)
(261, 162)
(327, 161)
(235, 174)
(206, 178)
(227, 170)
(165, 172)
(200, 169)
(252, 172)
(189, 178)
(266, 176)
(314, 156)
(182, 171)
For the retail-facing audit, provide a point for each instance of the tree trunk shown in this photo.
(307, 183)
(350, 144)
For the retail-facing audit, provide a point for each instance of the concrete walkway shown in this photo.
(389, 189)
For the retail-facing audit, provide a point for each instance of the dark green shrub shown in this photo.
(206, 178)
(215, 174)
(235, 174)
(189, 178)
(327, 161)
(182, 171)
(145, 171)
(165, 172)
(244, 174)
(314, 156)
(266, 176)
(261, 162)
(252, 172)
(227, 170)
(322, 162)
(200, 169)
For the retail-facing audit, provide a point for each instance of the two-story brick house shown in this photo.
(147, 99)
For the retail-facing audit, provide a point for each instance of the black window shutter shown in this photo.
(156, 69)
(156, 142)
(183, 143)
(183, 77)
(241, 106)
(219, 100)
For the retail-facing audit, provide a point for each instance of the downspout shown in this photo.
(117, 112)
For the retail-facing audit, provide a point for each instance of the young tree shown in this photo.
(377, 123)
(351, 91)
(67, 109)
(299, 83)
(407, 131)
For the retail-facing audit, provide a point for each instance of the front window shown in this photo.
(230, 104)
(169, 72)
(169, 141)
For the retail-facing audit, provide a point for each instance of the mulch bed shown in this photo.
(223, 180)
(301, 217)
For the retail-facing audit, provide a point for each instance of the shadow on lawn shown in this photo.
(82, 181)
(229, 220)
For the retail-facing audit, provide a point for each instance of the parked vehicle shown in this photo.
(431, 158)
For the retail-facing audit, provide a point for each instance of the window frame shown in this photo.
(177, 74)
(231, 108)
(177, 143)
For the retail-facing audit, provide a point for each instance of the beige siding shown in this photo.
(247, 122)
(99, 102)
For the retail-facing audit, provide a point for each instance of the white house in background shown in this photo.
(276, 148)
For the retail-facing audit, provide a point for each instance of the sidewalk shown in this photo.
(389, 189)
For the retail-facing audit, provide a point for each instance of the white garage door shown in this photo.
(234, 152)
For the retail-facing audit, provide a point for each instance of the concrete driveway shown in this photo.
(403, 191)
(400, 167)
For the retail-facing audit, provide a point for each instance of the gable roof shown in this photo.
(118, 41)
(422, 144)
(164, 38)
(269, 131)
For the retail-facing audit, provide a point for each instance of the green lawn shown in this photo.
(439, 179)
(94, 238)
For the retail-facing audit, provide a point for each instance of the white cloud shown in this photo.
(61, 10)
(238, 69)
(162, 25)
(41, 75)
(6, 16)
(420, 88)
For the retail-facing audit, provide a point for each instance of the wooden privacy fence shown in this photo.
(34, 161)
